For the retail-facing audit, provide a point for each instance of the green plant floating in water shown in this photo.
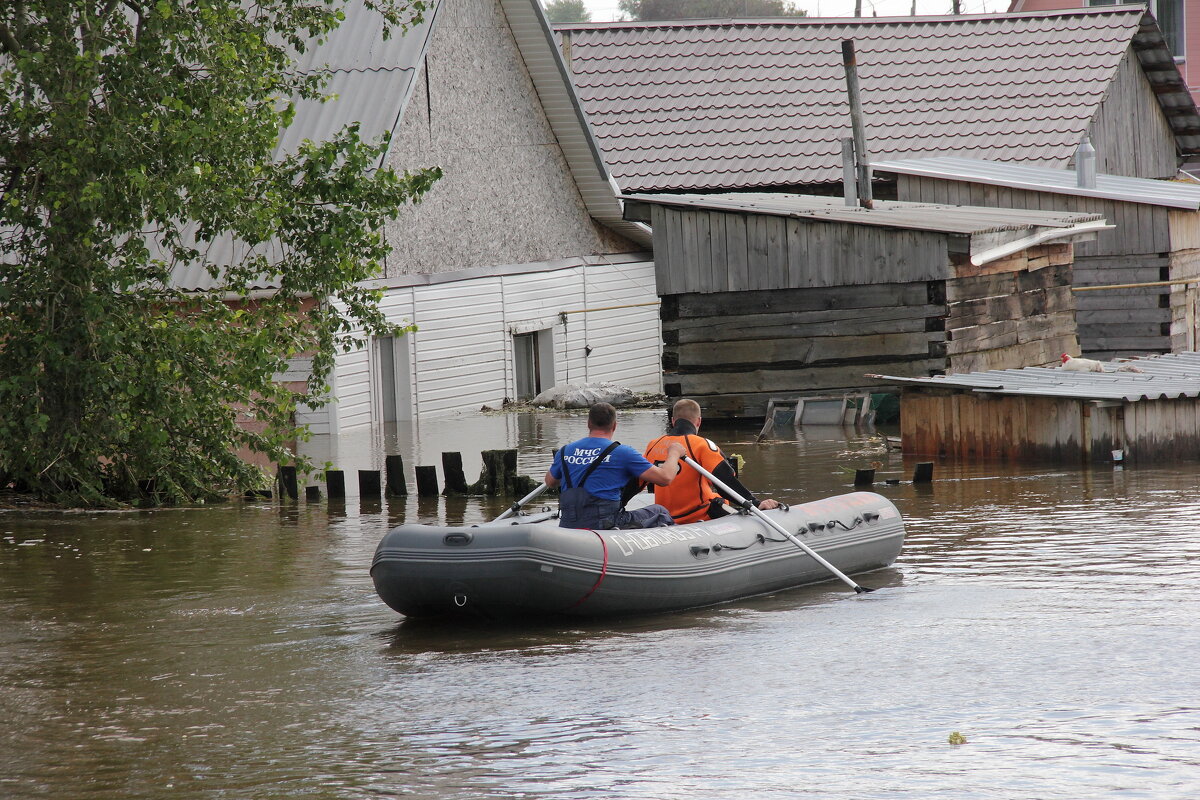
(957, 738)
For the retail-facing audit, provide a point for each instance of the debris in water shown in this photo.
(957, 738)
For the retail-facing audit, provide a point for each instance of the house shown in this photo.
(733, 105)
(775, 297)
(1137, 286)
(517, 269)
(1179, 21)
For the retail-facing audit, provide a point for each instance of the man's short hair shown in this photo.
(601, 416)
(686, 409)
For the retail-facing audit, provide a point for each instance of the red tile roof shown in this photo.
(729, 104)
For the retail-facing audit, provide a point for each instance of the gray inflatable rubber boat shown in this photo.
(528, 566)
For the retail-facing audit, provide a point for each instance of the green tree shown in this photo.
(135, 134)
(708, 9)
(567, 11)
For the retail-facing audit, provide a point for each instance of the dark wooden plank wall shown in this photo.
(969, 426)
(1118, 323)
(734, 351)
(716, 251)
(1129, 131)
(1011, 319)
(1112, 323)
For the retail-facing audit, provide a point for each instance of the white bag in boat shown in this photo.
(568, 395)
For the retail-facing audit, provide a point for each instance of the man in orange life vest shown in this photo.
(691, 497)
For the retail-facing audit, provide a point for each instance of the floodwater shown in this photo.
(1046, 615)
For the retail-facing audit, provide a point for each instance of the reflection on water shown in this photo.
(1047, 614)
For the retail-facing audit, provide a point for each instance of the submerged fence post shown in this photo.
(923, 473)
(368, 483)
(286, 478)
(427, 483)
(452, 471)
(394, 466)
(335, 484)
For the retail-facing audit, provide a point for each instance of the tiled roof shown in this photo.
(728, 104)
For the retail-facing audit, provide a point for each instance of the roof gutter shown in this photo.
(1005, 250)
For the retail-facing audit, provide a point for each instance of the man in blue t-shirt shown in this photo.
(594, 470)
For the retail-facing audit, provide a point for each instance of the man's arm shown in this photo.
(663, 475)
(724, 473)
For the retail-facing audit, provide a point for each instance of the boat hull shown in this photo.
(535, 568)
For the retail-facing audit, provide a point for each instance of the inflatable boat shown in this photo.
(528, 566)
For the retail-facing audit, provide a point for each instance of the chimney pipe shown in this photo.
(849, 177)
(1085, 164)
(856, 122)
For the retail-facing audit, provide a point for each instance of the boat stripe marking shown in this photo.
(603, 572)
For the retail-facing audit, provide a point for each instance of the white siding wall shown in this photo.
(462, 349)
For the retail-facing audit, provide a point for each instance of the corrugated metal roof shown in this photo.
(1163, 377)
(372, 81)
(1173, 194)
(966, 220)
(729, 104)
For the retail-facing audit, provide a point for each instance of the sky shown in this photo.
(606, 10)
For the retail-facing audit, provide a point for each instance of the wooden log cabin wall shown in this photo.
(759, 306)
(1149, 244)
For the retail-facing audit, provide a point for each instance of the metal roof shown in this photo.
(730, 104)
(373, 80)
(1174, 194)
(1164, 377)
(966, 220)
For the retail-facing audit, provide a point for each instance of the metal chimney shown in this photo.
(1085, 165)
(862, 160)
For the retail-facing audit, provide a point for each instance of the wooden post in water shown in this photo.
(864, 477)
(452, 471)
(368, 484)
(286, 478)
(335, 484)
(394, 466)
(499, 477)
(427, 482)
(312, 494)
(923, 472)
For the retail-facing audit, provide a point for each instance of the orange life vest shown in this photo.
(689, 495)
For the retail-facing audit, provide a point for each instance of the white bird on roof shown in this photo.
(1081, 364)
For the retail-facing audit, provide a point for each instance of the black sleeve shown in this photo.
(724, 473)
(632, 487)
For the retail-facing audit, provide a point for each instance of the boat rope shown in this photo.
(599, 580)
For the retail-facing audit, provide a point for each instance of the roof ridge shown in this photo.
(1130, 9)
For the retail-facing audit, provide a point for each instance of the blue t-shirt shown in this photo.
(610, 477)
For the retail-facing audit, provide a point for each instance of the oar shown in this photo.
(746, 504)
(517, 505)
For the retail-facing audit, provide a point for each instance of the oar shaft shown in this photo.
(758, 513)
(517, 505)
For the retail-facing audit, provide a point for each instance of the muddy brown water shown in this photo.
(1048, 615)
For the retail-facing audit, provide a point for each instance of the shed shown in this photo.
(1054, 415)
(1137, 285)
(772, 295)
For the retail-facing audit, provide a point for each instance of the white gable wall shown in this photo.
(462, 351)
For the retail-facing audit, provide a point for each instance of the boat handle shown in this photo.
(457, 539)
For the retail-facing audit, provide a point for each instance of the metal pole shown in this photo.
(849, 173)
(856, 122)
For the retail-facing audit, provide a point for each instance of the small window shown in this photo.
(533, 367)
